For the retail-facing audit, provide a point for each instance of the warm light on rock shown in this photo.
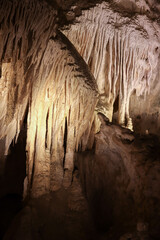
(79, 119)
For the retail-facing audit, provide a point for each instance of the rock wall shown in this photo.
(121, 47)
(121, 181)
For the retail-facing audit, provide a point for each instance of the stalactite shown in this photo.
(120, 53)
(21, 50)
(41, 69)
(70, 94)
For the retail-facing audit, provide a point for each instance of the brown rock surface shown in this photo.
(121, 181)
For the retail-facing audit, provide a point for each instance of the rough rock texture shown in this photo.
(121, 182)
(122, 51)
(61, 215)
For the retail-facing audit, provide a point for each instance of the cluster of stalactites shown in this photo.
(44, 78)
(23, 39)
(60, 119)
(122, 54)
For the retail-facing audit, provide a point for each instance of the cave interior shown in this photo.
(80, 119)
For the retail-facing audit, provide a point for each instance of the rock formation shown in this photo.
(121, 181)
(122, 52)
(44, 77)
(67, 70)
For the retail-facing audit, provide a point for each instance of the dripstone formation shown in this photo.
(80, 118)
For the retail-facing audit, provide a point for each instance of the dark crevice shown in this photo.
(46, 129)
(14, 19)
(33, 167)
(13, 178)
(65, 140)
(30, 40)
(10, 205)
(13, 46)
(0, 70)
(15, 166)
(19, 46)
(116, 104)
(5, 47)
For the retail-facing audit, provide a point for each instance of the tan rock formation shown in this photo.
(45, 76)
(61, 63)
(122, 52)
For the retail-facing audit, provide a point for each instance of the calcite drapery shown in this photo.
(43, 76)
(61, 110)
(23, 39)
(122, 53)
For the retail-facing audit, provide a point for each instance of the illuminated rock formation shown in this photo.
(67, 70)
(61, 111)
(122, 52)
(43, 76)
(23, 38)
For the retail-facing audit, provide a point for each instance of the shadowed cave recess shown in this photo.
(80, 119)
